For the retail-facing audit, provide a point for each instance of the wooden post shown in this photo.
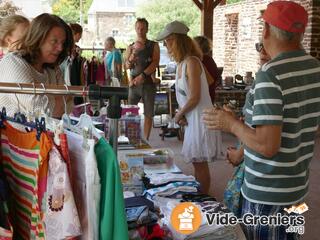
(206, 7)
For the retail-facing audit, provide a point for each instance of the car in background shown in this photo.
(166, 63)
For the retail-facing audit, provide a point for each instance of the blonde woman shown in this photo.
(200, 146)
(12, 29)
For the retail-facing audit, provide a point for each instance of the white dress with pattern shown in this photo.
(200, 144)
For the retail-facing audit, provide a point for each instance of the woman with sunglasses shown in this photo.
(200, 146)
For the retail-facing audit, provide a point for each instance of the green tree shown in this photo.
(69, 10)
(7, 8)
(159, 13)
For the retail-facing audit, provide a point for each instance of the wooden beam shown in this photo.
(217, 2)
(198, 4)
(207, 18)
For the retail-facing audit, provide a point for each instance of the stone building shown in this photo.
(112, 18)
(237, 28)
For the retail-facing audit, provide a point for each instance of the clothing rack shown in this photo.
(99, 49)
(94, 92)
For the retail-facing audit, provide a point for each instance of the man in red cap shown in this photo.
(282, 113)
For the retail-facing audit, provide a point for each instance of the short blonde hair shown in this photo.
(8, 25)
(183, 46)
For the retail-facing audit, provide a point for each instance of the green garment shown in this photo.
(113, 222)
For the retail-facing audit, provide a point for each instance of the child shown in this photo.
(12, 29)
(136, 47)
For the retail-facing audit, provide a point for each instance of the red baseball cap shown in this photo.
(286, 15)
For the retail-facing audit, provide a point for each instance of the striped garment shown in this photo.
(25, 163)
(269, 231)
(286, 93)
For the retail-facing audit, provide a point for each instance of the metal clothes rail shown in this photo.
(94, 92)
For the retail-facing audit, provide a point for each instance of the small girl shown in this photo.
(12, 29)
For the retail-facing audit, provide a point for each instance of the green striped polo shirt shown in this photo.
(286, 92)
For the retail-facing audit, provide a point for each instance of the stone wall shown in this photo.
(234, 37)
(119, 25)
(315, 41)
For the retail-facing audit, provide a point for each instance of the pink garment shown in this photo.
(100, 75)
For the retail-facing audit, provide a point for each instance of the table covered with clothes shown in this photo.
(150, 199)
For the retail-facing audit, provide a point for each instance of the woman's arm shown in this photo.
(193, 74)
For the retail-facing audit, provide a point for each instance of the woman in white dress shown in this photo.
(200, 146)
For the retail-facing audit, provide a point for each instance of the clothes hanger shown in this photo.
(50, 123)
(18, 116)
(40, 122)
(85, 121)
(65, 117)
(38, 125)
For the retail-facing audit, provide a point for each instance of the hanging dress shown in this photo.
(25, 164)
(200, 144)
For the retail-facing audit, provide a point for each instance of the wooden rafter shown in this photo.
(216, 3)
(207, 7)
(198, 4)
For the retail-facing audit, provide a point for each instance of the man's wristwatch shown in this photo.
(144, 75)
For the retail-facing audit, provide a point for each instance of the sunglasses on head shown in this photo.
(259, 46)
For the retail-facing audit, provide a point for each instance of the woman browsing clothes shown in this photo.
(46, 44)
(200, 146)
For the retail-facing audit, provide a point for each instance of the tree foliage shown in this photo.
(7, 8)
(69, 10)
(159, 13)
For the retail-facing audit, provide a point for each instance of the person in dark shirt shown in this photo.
(205, 46)
(141, 85)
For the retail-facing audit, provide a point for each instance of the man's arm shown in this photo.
(155, 60)
(264, 139)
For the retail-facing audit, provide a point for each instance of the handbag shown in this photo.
(232, 195)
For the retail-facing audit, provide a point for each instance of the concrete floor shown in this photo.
(221, 172)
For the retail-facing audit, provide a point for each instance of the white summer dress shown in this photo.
(200, 144)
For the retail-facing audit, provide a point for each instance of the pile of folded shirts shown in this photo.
(170, 185)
